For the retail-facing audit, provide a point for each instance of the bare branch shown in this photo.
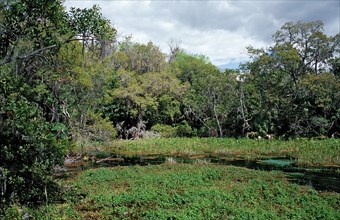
(10, 58)
(24, 57)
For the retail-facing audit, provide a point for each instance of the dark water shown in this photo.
(319, 178)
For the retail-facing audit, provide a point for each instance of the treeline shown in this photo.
(289, 89)
(65, 79)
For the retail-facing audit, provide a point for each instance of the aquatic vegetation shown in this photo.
(202, 189)
(186, 191)
(307, 152)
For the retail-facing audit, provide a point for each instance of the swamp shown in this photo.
(179, 178)
(169, 110)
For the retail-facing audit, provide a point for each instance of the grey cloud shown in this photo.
(202, 15)
(260, 19)
(212, 27)
(326, 11)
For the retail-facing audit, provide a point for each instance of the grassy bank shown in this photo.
(308, 152)
(182, 191)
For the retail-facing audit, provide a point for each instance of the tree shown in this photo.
(277, 75)
(174, 46)
(312, 46)
(40, 74)
(140, 58)
(321, 96)
(153, 97)
(33, 135)
(94, 31)
(85, 93)
(211, 95)
(146, 91)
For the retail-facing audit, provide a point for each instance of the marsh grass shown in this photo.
(307, 152)
(170, 160)
(187, 191)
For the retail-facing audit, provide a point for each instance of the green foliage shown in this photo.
(86, 91)
(140, 58)
(95, 32)
(288, 90)
(195, 192)
(191, 65)
(41, 22)
(164, 130)
(101, 129)
(183, 129)
(39, 76)
(30, 147)
(63, 76)
(32, 130)
(97, 131)
(212, 96)
(89, 21)
(142, 96)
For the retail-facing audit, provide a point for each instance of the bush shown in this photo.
(96, 132)
(165, 130)
(181, 130)
(101, 129)
(184, 129)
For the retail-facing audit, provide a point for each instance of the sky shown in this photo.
(219, 29)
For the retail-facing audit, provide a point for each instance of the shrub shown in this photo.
(165, 130)
(101, 129)
(97, 131)
(184, 129)
(181, 130)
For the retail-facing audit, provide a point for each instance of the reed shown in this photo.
(307, 151)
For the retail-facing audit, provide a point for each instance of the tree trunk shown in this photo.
(198, 118)
(219, 128)
(243, 110)
(83, 51)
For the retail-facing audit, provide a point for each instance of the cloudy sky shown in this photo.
(218, 29)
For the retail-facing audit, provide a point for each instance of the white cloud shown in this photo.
(219, 29)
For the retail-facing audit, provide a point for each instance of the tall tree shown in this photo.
(276, 75)
(309, 42)
(211, 95)
(94, 31)
(32, 132)
(35, 87)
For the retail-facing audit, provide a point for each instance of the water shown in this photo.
(320, 178)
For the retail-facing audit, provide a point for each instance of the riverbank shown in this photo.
(307, 152)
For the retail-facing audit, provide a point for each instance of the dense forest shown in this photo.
(66, 80)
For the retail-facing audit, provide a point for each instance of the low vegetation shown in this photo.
(307, 152)
(182, 191)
